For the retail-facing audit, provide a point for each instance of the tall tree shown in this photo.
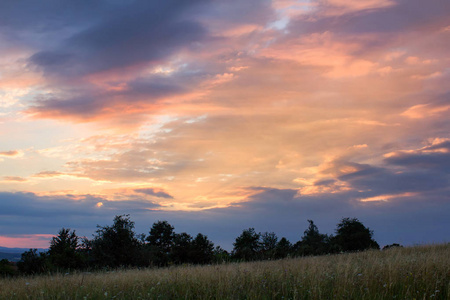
(63, 252)
(116, 245)
(283, 248)
(268, 244)
(246, 246)
(313, 242)
(181, 248)
(33, 262)
(160, 242)
(202, 250)
(352, 235)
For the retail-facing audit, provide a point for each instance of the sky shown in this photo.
(219, 116)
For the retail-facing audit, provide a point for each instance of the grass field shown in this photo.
(421, 272)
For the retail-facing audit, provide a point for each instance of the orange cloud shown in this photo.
(14, 179)
(337, 7)
(11, 153)
(324, 50)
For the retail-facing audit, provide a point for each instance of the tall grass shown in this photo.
(421, 272)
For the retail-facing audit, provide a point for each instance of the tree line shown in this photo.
(118, 246)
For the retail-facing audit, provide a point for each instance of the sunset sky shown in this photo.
(219, 115)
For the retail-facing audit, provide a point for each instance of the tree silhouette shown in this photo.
(247, 245)
(33, 262)
(352, 235)
(268, 244)
(313, 242)
(391, 246)
(160, 242)
(116, 245)
(63, 251)
(6, 268)
(283, 248)
(182, 243)
(202, 250)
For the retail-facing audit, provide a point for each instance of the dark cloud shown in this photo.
(238, 12)
(28, 213)
(89, 101)
(407, 220)
(142, 32)
(51, 15)
(32, 205)
(388, 22)
(439, 161)
(85, 106)
(153, 192)
(380, 180)
(135, 34)
(325, 182)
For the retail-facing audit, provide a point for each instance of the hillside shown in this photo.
(421, 272)
(10, 256)
(14, 254)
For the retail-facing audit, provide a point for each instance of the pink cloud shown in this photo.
(26, 241)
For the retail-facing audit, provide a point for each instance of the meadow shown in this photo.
(420, 272)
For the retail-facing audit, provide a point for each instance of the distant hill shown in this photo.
(10, 256)
(14, 254)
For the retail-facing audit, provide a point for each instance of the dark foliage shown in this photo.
(268, 245)
(313, 242)
(395, 245)
(181, 248)
(283, 248)
(33, 262)
(118, 246)
(7, 268)
(247, 245)
(160, 242)
(63, 252)
(202, 250)
(352, 235)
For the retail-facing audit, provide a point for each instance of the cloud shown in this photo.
(423, 170)
(376, 16)
(46, 174)
(134, 96)
(436, 106)
(283, 211)
(14, 178)
(433, 157)
(286, 213)
(154, 192)
(33, 205)
(11, 153)
(142, 32)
